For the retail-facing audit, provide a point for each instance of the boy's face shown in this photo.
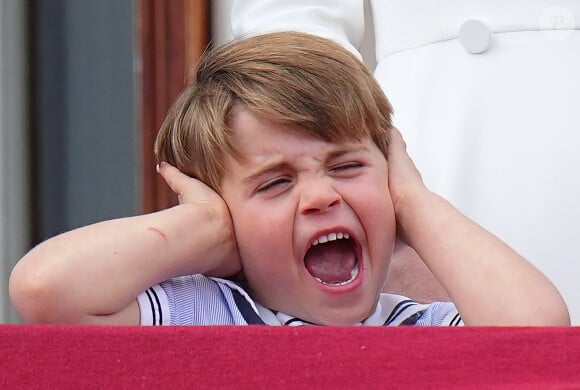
(292, 192)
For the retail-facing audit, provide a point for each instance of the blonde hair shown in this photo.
(290, 78)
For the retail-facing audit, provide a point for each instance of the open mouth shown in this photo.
(332, 259)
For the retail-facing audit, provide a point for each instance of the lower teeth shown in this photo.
(353, 275)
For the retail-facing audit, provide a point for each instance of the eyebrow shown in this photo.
(269, 167)
(283, 165)
(345, 149)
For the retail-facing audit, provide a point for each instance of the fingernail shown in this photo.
(157, 167)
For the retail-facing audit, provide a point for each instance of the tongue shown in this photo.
(331, 262)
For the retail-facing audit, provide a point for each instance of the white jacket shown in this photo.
(487, 95)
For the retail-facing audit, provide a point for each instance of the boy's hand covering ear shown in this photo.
(404, 178)
(405, 182)
(192, 191)
(187, 189)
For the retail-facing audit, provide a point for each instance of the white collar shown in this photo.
(391, 309)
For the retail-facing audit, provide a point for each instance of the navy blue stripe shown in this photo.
(455, 321)
(293, 320)
(397, 310)
(152, 306)
(158, 305)
(246, 309)
(412, 320)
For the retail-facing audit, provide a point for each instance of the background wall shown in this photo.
(14, 172)
(69, 147)
(84, 104)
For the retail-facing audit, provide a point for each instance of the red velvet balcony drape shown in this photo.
(275, 357)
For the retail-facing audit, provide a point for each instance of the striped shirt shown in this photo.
(202, 300)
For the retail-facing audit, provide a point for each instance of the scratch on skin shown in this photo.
(158, 233)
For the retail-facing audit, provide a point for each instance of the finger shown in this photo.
(176, 180)
(397, 140)
(395, 132)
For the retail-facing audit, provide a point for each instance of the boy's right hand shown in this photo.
(192, 191)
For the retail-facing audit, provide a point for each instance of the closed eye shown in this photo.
(278, 182)
(346, 166)
(347, 170)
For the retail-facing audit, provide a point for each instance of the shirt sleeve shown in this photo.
(154, 307)
(186, 300)
(169, 303)
(342, 21)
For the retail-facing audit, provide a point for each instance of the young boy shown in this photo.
(293, 183)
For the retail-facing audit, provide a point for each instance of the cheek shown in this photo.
(264, 238)
(263, 233)
(379, 216)
(375, 210)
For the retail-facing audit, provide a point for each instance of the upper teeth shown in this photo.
(330, 237)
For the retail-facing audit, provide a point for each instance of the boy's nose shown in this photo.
(318, 197)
